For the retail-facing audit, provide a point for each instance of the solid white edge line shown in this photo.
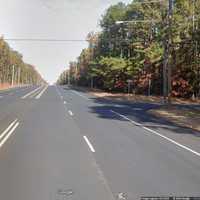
(8, 135)
(89, 144)
(30, 93)
(123, 116)
(172, 141)
(158, 134)
(7, 129)
(41, 93)
(77, 93)
(35, 93)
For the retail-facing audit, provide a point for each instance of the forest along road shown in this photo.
(58, 143)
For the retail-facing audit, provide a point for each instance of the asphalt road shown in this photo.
(57, 143)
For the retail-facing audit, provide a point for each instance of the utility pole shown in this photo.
(92, 82)
(19, 73)
(170, 45)
(121, 47)
(26, 79)
(13, 75)
(195, 42)
(65, 77)
(166, 64)
(76, 67)
(69, 77)
(167, 43)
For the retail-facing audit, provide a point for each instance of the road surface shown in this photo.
(59, 143)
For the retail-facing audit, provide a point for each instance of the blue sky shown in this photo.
(61, 19)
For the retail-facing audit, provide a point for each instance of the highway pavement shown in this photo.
(58, 143)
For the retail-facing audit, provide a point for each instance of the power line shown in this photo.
(44, 40)
(82, 40)
(149, 2)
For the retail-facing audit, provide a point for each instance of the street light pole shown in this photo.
(167, 44)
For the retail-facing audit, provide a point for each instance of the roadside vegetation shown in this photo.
(135, 50)
(13, 70)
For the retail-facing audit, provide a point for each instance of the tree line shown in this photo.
(137, 42)
(13, 70)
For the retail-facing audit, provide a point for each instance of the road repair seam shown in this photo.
(8, 132)
(156, 133)
(89, 144)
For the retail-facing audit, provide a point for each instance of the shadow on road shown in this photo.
(138, 112)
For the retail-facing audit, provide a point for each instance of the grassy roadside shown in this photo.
(141, 98)
(183, 116)
(7, 88)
